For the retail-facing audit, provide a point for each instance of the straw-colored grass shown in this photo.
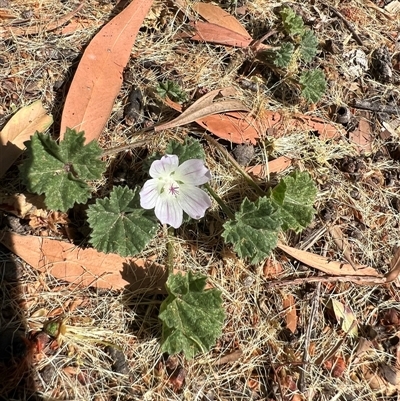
(271, 358)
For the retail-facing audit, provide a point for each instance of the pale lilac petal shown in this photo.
(194, 201)
(168, 211)
(193, 172)
(163, 167)
(149, 194)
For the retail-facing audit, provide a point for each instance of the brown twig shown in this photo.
(349, 26)
(376, 107)
(235, 164)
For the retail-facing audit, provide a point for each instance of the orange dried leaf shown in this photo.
(336, 365)
(86, 267)
(362, 136)
(274, 166)
(272, 268)
(221, 27)
(290, 312)
(211, 33)
(216, 15)
(98, 78)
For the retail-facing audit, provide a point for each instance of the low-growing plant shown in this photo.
(178, 189)
(299, 45)
(172, 90)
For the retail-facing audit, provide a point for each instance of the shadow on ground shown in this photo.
(16, 374)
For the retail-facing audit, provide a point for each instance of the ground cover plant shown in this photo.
(199, 200)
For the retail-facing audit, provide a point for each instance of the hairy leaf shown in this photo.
(192, 316)
(292, 23)
(172, 90)
(283, 55)
(191, 149)
(295, 196)
(254, 232)
(313, 85)
(119, 224)
(60, 171)
(308, 46)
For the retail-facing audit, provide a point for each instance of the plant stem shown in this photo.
(170, 250)
(235, 164)
(220, 202)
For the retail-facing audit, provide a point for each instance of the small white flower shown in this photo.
(173, 190)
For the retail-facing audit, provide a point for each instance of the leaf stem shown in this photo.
(220, 202)
(235, 164)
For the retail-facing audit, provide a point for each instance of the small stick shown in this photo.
(235, 164)
(377, 107)
(347, 23)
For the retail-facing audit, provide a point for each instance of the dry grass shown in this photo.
(39, 67)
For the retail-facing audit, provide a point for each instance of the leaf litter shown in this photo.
(285, 130)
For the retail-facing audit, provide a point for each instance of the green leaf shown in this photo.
(119, 224)
(191, 149)
(172, 90)
(295, 196)
(313, 84)
(308, 46)
(283, 55)
(292, 23)
(192, 316)
(254, 232)
(60, 171)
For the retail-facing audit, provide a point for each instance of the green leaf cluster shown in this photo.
(61, 171)
(119, 224)
(254, 231)
(300, 44)
(172, 90)
(192, 316)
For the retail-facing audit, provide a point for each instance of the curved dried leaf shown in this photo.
(201, 109)
(98, 78)
(326, 265)
(19, 129)
(216, 15)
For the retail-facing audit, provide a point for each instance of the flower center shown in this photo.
(171, 187)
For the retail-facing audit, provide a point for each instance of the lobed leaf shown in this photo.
(313, 85)
(119, 224)
(294, 196)
(192, 316)
(308, 46)
(191, 149)
(292, 23)
(254, 232)
(283, 55)
(172, 90)
(60, 171)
